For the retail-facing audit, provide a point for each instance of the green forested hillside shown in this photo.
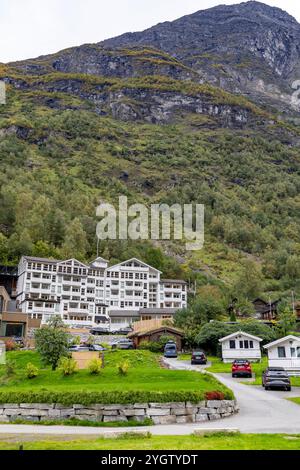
(59, 158)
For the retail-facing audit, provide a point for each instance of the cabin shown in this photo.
(265, 310)
(240, 345)
(154, 334)
(285, 352)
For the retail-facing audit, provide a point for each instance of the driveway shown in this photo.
(260, 412)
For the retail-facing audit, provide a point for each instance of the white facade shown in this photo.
(240, 345)
(83, 295)
(285, 352)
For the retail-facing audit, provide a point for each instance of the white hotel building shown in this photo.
(90, 295)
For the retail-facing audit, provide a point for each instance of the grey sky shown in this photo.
(29, 28)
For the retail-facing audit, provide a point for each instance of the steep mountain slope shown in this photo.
(140, 115)
(250, 48)
(247, 48)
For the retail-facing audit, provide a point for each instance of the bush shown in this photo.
(10, 345)
(156, 346)
(214, 396)
(10, 368)
(153, 346)
(31, 371)
(123, 368)
(105, 397)
(95, 366)
(68, 366)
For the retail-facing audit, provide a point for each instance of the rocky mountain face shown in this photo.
(197, 110)
(250, 49)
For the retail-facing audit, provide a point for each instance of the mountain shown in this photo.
(250, 49)
(196, 110)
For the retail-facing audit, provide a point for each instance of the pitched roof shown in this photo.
(282, 340)
(169, 329)
(237, 333)
(136, 260)
(41, 260)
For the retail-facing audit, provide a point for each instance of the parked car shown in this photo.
(96, 347)
(122, 331)
(123, 344)
(276, 369)
(276, 379)
(77, 348)
(170, 349)
(241, 368)
(198, 357)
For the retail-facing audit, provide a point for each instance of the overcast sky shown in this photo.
(29, 28)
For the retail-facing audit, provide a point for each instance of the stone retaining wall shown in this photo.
(160, 413)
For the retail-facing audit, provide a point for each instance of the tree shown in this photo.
(202, 310)
(250, 282)
(210, 333)
(257, 328)
(52, 342)
(75, 243)
(287, 321)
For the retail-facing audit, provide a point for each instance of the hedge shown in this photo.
(105, 397)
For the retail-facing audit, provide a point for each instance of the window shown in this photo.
(281, 351)
(241, 344)
(295, 352)
(246, 344)
(251, 344)
(232, 344)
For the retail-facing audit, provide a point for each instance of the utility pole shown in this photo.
(293, 302)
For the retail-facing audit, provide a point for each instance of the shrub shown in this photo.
(95, 366)
(214, 395)
(123, 368)
(31, 371)
(106, 397)
(153, 346)
(10, 368)
(156, 346)
(10, 345)
(68, 365)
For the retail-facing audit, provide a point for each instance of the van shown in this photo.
(170, 349)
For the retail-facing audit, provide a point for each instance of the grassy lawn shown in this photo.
(145, 374)
(134, 442)
(295, 400)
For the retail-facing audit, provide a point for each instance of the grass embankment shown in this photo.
(295, 400)
(135, 442)
(219, 367)
(145, 381)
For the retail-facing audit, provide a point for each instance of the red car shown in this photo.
(241, 368)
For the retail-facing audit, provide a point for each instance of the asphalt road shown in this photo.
(260, 412)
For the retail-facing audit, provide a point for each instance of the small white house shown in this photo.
(285, 352)
(240, 345)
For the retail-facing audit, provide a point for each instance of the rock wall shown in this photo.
(160, 413)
